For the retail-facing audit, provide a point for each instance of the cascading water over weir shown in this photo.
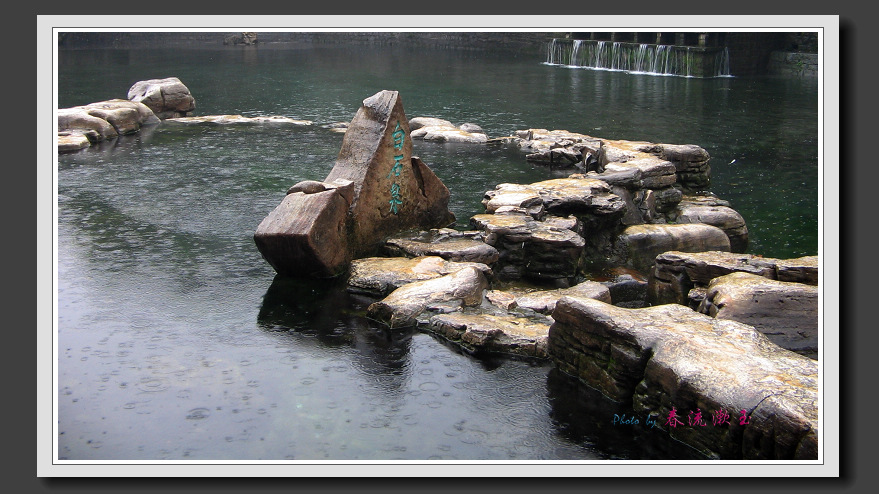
(684, 61)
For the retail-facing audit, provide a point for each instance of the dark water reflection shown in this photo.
(177, 341)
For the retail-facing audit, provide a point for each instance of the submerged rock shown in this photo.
(736, 394)
(238, 119)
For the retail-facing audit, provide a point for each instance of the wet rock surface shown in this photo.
(379, 276)
(81, 126)
(786, 312)
(402, 307)
(449, 244)
(669, 358)
(675, 274)
(238, 119)
(439, 130)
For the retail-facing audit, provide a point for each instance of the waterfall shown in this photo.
(643, 58)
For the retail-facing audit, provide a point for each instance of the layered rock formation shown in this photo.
(717, 385)
(682, 277)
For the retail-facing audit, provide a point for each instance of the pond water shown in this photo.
(176, 341)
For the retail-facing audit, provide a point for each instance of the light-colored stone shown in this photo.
(507, 334)
(402, 307)
(167, 98)
(238, 119)
(379, 276)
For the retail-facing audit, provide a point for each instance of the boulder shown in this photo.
(786, 312)
(379, 276)
(419, 122)
(393, 190)
(80, 120)
(734, 393)
(402, 307)
(638, 245)
(167, 98)
(127, 117)
(712, 211)
(81, 126)
(306, 235)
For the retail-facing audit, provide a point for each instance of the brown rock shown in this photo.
(670, 358)
(393, 191)
(306, 234)
(786, 312)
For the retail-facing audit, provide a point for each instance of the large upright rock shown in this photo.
(375, 190)
(167, 98)
(393, 191)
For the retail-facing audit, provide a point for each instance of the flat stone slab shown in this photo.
(735, 394)
(379, 276)
(558, 197)
(448, 244)
(544, 301)
(238, 119)
(403, 306)
(508, 334)
(786, 312)
(69, 142)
